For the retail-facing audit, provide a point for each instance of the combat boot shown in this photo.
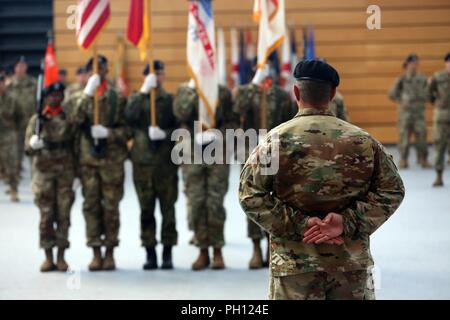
(202, 261)
(97, 261)
(218, 263)
(13, 195)
(61, 264)
(438, 182)
(108, 262)
(48, 264)
(151, 262)
(403, 164)
(256, 262)
(167, 258)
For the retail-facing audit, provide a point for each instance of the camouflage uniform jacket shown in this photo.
(439, 92)
(410, 92)
(10, 117)
(72, 90)
(325, 165)
(58, 134)
(337, 107)
(24, 92)
(137, 114)
(112, 116)
(185, 109)
(248, 105)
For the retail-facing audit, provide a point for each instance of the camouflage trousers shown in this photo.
(412, 124)
(205, 187)
(441, 141)
(9, 161)
(254, 231)
(157, 183)
(102, 192)
(352, 285)
(54, 197)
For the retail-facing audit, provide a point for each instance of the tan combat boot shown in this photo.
(202, 261)
(61, 264)
(438, 182)
(97, 261)
(403, 164)
(48, 264)
(256, 262)
(13, 195)
(218, 263)
(108, 263)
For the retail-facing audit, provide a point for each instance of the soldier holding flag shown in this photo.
(103, 144)
(204, 100)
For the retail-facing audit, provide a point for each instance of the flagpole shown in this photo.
(150, 57)
(95, 70)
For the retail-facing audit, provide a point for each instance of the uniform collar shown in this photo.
(314, 112)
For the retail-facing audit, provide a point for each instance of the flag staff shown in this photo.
(95, 70)
(150, 58)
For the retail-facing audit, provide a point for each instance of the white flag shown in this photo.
(272, 27)
(221, 57)
(201, 58)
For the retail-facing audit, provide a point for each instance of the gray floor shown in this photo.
(412, 252)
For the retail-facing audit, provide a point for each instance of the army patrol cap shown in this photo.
(101, 61)
(54, 87)
(158, 65)
(447, 57)
(316, 70)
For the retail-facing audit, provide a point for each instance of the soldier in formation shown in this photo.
(154, 173)
(49, 139)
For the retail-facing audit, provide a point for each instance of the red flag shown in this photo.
(138, 32)
(51, 65)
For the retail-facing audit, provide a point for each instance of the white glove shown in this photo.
(36, 143)
(156, 133)
(76, 184)
(205, 137)
(92, 85)
(191, 84)
(149, 83)
(261, 74)
(99, 132)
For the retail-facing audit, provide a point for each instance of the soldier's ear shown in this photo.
(296, 92)
(333, 93)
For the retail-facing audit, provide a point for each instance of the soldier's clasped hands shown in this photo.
(328, 230)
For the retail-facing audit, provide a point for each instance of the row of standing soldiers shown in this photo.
(412, 90)
(68, 148)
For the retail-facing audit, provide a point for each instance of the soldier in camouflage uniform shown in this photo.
(155, 175)
(439, 91)
(205, 185)
(103, 150)
(249, 104)
(334, 187)
(410, 92)
(23, 89)
(76, 89)
(337, 107)
(10, 121)
(53, 173)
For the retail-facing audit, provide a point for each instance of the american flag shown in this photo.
(92, 16)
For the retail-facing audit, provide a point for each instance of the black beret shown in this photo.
(20, 59)
(101, 61)
(157, 65)
(447, 57)
(62, 72)
(55, 86)
(411, 58)
(316, 70)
